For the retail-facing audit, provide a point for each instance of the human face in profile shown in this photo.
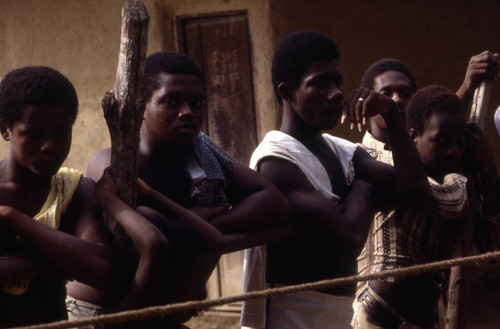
(175, 112)
(442, 144)
(40, 141)
(318, 98)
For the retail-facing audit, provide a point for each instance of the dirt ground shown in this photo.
(215, 320)
(482, 306)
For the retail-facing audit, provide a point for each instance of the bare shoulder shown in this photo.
(83, 210)
(99, 161)
(84, 199)
(286, 176)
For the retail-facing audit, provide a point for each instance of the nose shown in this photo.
(335, 93)
(455, 152)
(49, 145)
(396, 98)
(185, 112)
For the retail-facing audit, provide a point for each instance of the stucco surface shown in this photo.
(81, 39)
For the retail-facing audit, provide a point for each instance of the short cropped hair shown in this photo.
(428, 101)
(170, 62)
(33, 85)
(294, 55)
(384, 65)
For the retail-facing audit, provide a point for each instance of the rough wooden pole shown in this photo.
(462, 244)
(454, 291)
(123, 106)
(480, 103)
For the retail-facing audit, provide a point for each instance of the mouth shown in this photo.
(334, 109)
(187, 129)
(48, 167)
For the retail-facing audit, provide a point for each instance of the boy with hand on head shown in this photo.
(394, 79)
(391, 77)
(47, 211)
(436, 123)
(327, 180)
(203, 201)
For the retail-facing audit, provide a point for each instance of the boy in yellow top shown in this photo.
(46, 211)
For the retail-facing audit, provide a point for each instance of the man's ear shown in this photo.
(411, 132)
(285, 91)
(5, 131)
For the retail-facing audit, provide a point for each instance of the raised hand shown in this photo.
(484, 66)
(364, 103)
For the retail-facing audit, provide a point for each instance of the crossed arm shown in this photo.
(81, 252)
(344, 224)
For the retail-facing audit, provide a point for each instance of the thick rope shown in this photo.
(153, 311)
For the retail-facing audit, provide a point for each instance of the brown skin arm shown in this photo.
(345, 224)
(84, 256)
(151, 244)
(221, 243)
(154, 199)
(256, 203)
(98, 163)
(483, 66)
(406, 182)
(479, 159)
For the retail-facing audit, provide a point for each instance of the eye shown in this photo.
(320, 82)
(405, 93)
(63, 132)
(197, 104)
(442, 142)
(386, 92)
(34, 134)
(172, 103)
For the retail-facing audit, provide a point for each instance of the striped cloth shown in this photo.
(404, 237)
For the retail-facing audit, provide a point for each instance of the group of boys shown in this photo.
(310, 198)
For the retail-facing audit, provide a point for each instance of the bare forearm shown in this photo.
(78, 259)
(347, 224)
(257, 211)
(146, 282)
(239, 241)
(464, 94)
(142, 233)
(411, 179)
(175, 211)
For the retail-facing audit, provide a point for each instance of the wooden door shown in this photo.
(220, 45)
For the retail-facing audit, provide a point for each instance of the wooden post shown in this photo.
(462, 244)
(454, 288)
(480, 103)
(123, 106)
